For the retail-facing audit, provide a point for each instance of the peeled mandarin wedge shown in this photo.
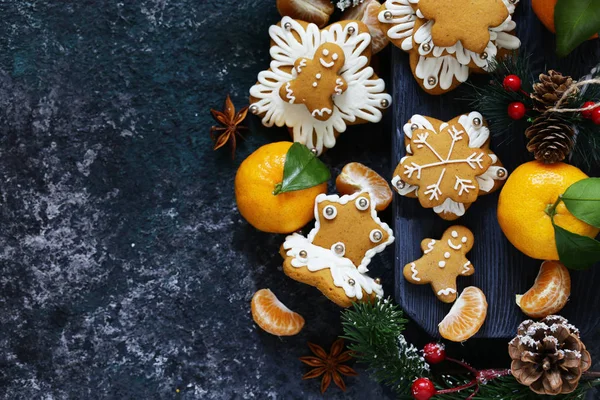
(466, 316)
(356, 177)
(549, 293)
(273, 316)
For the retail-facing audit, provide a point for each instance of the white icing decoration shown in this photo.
(338, 85)
(326, 64)
(450, 206)
(464, 239)
(361, 208)
(289, 93)
(420, 121)
(446, 255)
(454, 246)
(429, 246)
(325, 52)
(342, 269)
(333, 247)
(322, 111)
(314, 85)
(318, 76)
(406, 189)
(403, 21)
(454, 234)
(362, 99)
(442, 264)
(445, 69)
(463, 185)
(372, 235)
(434, 190)
(369, 254)
(446, 291)
(333, 215)
(334, 56)
(466, 267)
(301, 64)
(413, 268)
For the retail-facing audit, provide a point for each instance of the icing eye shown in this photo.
(339, 249)
(464, 239)
(454, 234)
(334, 56)
(325, 52)
(329, 212)
(375, 236)
(362, 203)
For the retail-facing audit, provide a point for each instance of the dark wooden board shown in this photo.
(501, 270)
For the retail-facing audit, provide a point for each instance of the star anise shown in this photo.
(230, 125)
(329, 365)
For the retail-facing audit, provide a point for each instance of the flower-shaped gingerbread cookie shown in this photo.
(319, 81)
(442, 262)
(335, 255)
(445, 45)
(447, 164)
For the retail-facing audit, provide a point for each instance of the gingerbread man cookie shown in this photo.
(448, 164)
(442, 262)
(334, 256)
(317, 81)
(449, 39)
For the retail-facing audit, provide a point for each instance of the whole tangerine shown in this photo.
(544, 9)
(524, 199)
(255, 181)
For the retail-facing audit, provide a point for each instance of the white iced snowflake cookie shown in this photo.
(335, 255)
(319, 81)
(447, 164)
(445, 45)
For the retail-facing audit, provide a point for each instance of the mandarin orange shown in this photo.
(466, 316)
(356, 177)
(549, 293)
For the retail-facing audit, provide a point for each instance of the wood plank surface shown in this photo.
(501, 271)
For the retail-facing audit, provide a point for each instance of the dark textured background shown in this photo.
(125, 270)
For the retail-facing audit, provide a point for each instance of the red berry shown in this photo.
(588, 113)
(596, 116)
(434, 353)
(422, 389)
(516, 110)
(512, 83)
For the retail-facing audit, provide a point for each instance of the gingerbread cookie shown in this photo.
(445, 46)
(447, 164)
(442, 262)
(319, 81)
(335, 255)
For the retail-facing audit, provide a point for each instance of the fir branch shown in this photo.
(508, 388)
(374, 331)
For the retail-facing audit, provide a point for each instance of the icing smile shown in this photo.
(454, 246)
(326, 64)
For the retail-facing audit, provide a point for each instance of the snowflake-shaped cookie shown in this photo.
(442, 262)
(301, 89)
(443, 53)
(335, 255)
(447, 164)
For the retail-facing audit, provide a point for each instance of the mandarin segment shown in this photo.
(273, 316)
(549, 293)
(356, 177)
(466, 316)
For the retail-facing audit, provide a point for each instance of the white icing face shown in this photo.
(329, 59)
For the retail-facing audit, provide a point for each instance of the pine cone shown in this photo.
(548, 356)
(549, 90)
(550, 138)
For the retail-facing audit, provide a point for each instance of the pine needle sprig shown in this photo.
(507, 388)
(374, 332)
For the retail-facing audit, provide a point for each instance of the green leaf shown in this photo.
(576, 251)
(575, 21)
(582, 199)
(302, 170)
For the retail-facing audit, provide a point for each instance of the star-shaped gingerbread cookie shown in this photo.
(467, 21)
(335, 255)
(442, 262)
